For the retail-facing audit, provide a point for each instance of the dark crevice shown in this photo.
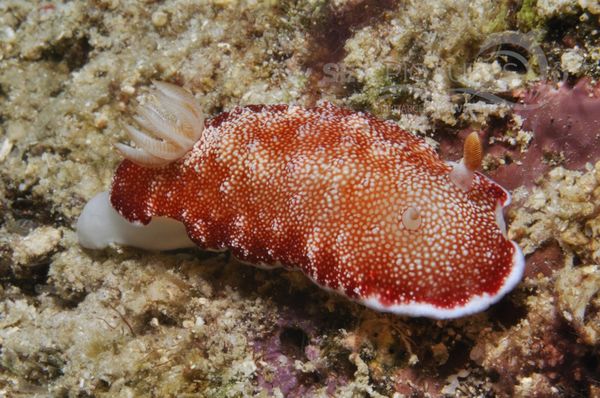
(27, 208)
(29, 278)
(293, 342)
(309, 379)
(507, 313)
(591, 365)
(44, 365)
(69, 298)
(73, 51)
(40, 149)
(161, 316)
(330, 32)
(458, 358)
(512, 58)
(558, 27)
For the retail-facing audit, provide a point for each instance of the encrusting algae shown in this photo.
(125, 322)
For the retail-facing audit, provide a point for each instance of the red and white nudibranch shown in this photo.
(356, 203)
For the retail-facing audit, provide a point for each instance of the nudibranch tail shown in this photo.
(167, 133)
(463, 172)
(100, 226)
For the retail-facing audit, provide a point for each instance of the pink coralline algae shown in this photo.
(565, 123)
(358, 205)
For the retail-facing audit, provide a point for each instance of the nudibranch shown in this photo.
(357, 204)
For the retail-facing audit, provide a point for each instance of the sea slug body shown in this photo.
(356, 203)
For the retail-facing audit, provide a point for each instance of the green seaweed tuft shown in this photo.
(528, 17)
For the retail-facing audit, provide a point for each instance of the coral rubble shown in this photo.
(123, 322)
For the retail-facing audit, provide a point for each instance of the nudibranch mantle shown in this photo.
(357, 204)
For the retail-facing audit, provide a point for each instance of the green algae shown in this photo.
(123, 322)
